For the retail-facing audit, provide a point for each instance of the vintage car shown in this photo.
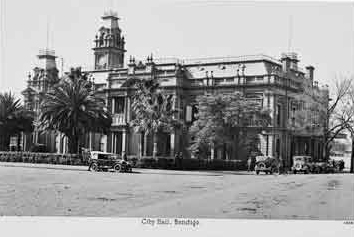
(321, 167)
(303, 164)
(266, 164)
(107, 161)
(335, 166)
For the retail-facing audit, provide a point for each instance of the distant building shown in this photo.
(274, 83)
(44, 76)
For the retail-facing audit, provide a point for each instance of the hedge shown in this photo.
(143, 162)
(187, 164)
(43, 158)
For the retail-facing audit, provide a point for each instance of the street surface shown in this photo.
(56, 190)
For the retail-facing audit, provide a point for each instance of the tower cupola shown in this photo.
(109, 44)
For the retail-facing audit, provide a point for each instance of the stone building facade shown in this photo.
(275, 83)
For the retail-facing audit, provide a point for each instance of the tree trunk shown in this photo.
(352, 157)
(326, 152)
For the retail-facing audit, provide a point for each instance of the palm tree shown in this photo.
(153, 111)
(73, 108)
(14, 119)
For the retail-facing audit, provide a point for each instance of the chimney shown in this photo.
(309, 72)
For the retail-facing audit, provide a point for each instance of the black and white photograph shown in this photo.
(177, 111)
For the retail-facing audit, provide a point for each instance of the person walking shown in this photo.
(249, 164)
(177, 161)
(280, 165)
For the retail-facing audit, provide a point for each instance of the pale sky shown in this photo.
(322, 33)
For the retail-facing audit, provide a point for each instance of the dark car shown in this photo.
(266, 164)
(107, 161)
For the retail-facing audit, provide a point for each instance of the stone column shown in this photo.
(125, 109)
(172, 143)
(212, 152)
(113, 142)
(128, 109)
(65, 150)
(113, 105)
(124, 141)
(23, 135)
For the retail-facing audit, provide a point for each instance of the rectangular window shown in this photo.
(277, 147)
(119, 105)
(278, 115)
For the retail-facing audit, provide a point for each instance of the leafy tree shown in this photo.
(14, 119)
(348, 108)
(153, 110)
(228, 121)
(73, 108)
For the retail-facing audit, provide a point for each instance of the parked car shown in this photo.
(336, 165)
(107, 161)
(303, 164)
(266, 164)
(331, 167)
(321, 167)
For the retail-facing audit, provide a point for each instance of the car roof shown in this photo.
(101, 152)
(265, 156)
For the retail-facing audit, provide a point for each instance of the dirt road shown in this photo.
(51, 190)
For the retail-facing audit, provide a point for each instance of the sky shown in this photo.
(321, 33)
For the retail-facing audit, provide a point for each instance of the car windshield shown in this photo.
(261, 158)
(103, 156)
(309, 159)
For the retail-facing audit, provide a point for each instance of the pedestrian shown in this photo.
(249, 164)
(280, 165)
(177, 160)
(180, 158)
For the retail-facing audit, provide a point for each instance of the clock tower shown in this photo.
(109, 44)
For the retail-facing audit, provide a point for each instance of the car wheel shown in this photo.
(117, 167)
(94, 167)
